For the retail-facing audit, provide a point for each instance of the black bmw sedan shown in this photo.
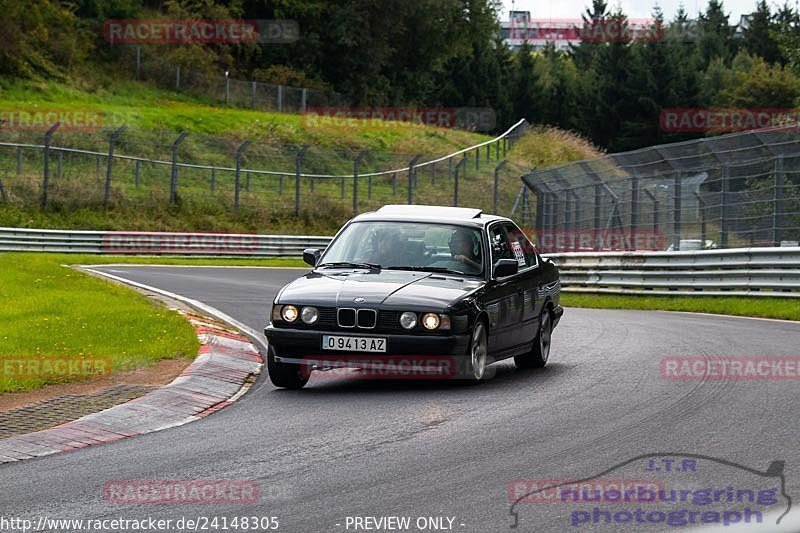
(414, 290)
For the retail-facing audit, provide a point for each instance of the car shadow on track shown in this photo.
(505, 374)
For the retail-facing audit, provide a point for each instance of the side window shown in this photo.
(498, 242)
(521, 248)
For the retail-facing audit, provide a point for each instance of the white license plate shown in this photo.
(353, 344)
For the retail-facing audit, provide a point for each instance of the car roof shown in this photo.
(430, 213)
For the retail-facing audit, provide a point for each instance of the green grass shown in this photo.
(50, 312)
(764, 307)
(156, 116)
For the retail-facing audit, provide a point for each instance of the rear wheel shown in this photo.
(285, 375)
(540, 351)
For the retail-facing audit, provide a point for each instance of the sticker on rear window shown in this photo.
(518, 253)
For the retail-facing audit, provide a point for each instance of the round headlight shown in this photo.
(408, 320)
(309, 315)
(430, 320)
(289, 313)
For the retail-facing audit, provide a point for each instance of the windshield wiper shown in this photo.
(443, 270)
(349, 264)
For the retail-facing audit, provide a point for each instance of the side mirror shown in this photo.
(311, 256)
(505, 267)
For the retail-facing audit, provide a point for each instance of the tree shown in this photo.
(758, 34)
(716, 35)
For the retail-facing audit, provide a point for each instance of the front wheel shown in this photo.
(477, 357)
(285, 375)
(540, 351)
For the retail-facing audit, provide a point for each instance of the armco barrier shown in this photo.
(731, 272)
(156, 243)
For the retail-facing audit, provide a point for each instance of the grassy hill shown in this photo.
(139, 196)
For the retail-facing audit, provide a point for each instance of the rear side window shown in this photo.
(521, 248)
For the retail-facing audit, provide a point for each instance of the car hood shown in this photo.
(385, 287)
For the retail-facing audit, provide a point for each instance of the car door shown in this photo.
(503, 297)
(529, 283)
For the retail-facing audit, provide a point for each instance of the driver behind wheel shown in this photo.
(465, 249)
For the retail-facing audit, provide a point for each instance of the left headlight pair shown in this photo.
(429, 321)
(290, 313)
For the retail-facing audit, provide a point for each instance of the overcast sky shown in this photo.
(632, 8)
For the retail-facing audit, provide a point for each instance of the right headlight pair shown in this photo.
(429, 321)
(290, 313)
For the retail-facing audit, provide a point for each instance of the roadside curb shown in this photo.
(218, 376)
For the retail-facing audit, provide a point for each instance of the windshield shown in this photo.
(408, 246)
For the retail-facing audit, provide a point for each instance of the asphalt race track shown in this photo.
(350, 447)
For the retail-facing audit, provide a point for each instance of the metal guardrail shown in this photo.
(728, 272)
(156, 243)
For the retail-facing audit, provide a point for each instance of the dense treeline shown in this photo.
(445, 53)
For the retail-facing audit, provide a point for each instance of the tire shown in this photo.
(540, 351)
(478, 355)
(284, 375)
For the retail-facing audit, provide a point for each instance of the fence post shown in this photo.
(138, 62)
(111, 140)
(253, 104)
(477, 158)
(433, 173)
(497, 149)
(227, 87)
(488, 153)
(634, 206)
(303, 99)
(576, 210)
(19, 160)
(3, 196)
(394, 184)
(298, 163)
(676, 227)
(723, 226)
(356, 163)
(236, 187)
(497, 185)
(173, 182)
(137, 173)
(411, 178)
(701, 206)
(777, 206)
(598, 187)
(280, 98)
(462, 163)
(213, 179)
(178, 77)
(47, 137)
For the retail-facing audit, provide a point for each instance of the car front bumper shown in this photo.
(307, 344)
